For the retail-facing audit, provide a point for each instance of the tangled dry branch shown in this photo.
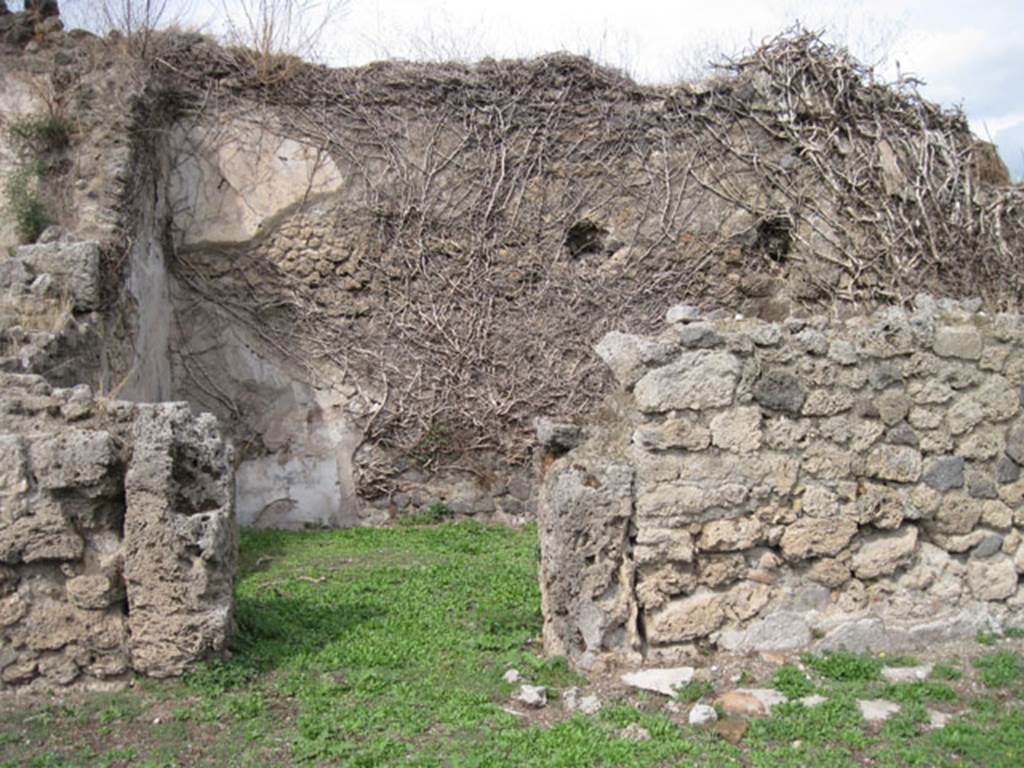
(500, 218)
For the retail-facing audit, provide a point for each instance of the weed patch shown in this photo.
(844, 667)
(1001, 669)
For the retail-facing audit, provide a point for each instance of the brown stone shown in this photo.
(814, 537)
(731, 730)
(688, 619)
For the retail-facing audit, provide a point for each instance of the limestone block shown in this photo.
(629, 356)
(881, 554)
(717, 570)
(814, 537)
(688, 619)
(674, 432)
(696, 380)
(993, 578)
(44, 533)
(996, 514)
(663, 545)
(960, 341)
(181, 540)
(74, 458)
(738, 429)
(829, 572)
(930, 392)
(818, 501)
(1000, 400)
(827, 402)
(93, 591)
(893, 406)
(584, 514)
(957, 514)
(965, 414)
(982, 444)
(731, 535)
(898, 463)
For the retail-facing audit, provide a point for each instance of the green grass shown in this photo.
(1000, 669)
(845, 667)
(387, 648)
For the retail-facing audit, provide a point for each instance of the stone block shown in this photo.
(882, 554)
(695, 381)
(816, 537)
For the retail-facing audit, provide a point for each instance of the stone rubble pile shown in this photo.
(806, 484)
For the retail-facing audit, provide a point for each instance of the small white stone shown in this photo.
(702, 714)
(535, 696)
(664, 681)
(907, 674)
(512, 676)
(812, 701)
(938, 720)
(877, 710)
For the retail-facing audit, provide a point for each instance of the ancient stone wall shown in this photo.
(773, 486)
(117, 536)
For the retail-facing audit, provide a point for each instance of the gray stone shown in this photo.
(696, 380)
(533, 696)
(960, 341)
(938, 720)
(698, 336)
(781, 631)
(1007, 471)
(842, 352)
(684, 433)
(812, 342)
(557, 435)
(881, 554)
(780, 391)
(628, 356)
(1015, 444)
(572, 701)
(990, 544)
(980, 485)
(944, 473)
(180, 519)
(665, 681)
(682, 313)
(877, 710)
(702, 714)
(907, 674)
(898, 463)
(815, 537)
(885, 375)
(857, 636)
(512, 676)
(993, 578)
(74, 265)
(903, 434)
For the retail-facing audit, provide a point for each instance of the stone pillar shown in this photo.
(181, 540)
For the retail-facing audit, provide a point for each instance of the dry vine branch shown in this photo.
(498, 219)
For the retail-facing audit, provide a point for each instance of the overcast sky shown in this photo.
(964, 51)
